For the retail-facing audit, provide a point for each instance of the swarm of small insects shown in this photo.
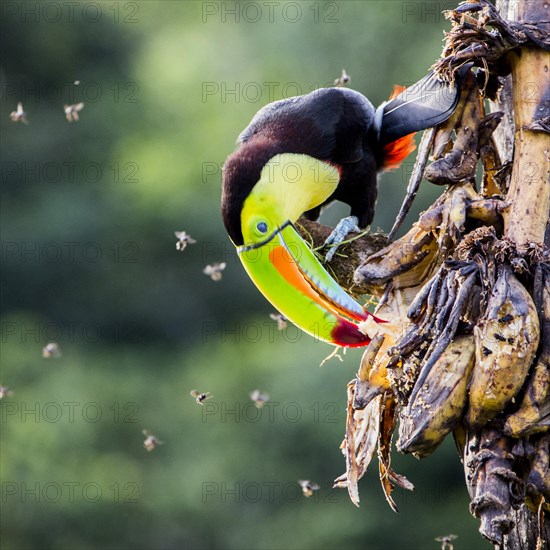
(259, 398)
(20, 115)
(5, 392)
(200, 397)
(183, 240)
(71, 111)
(308, 487)
(214, 271)
(51, 350)
(446, 541)
(282, 322)
(343, 79)
(151, 441)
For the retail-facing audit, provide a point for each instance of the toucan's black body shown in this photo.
(336, 125)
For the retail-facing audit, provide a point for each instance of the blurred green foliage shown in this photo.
(88, 215)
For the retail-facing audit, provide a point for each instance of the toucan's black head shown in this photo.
(240, 174)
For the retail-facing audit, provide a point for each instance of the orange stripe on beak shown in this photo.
(344, 332)
(288, 268)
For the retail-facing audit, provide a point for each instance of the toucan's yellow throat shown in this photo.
(289, 185)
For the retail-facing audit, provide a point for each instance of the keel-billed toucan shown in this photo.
(299, 154)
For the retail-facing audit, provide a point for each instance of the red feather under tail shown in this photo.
(397, 151)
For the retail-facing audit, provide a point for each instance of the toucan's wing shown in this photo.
(425, 104)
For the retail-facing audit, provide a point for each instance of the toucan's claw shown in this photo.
(340, 232)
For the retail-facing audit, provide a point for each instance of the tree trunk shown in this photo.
(529, 192)
(524, 100)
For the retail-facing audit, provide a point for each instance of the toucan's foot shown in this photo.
(340, 232)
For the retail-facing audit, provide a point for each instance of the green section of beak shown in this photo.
(287, 273)
(318, 276)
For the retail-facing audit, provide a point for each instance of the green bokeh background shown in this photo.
(88, 214)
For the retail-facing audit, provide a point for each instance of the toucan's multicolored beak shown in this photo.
(287, 273)
(302, 153)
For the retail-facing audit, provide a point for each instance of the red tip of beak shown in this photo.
(348, 335)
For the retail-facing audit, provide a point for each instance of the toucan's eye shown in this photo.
(261, 227)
